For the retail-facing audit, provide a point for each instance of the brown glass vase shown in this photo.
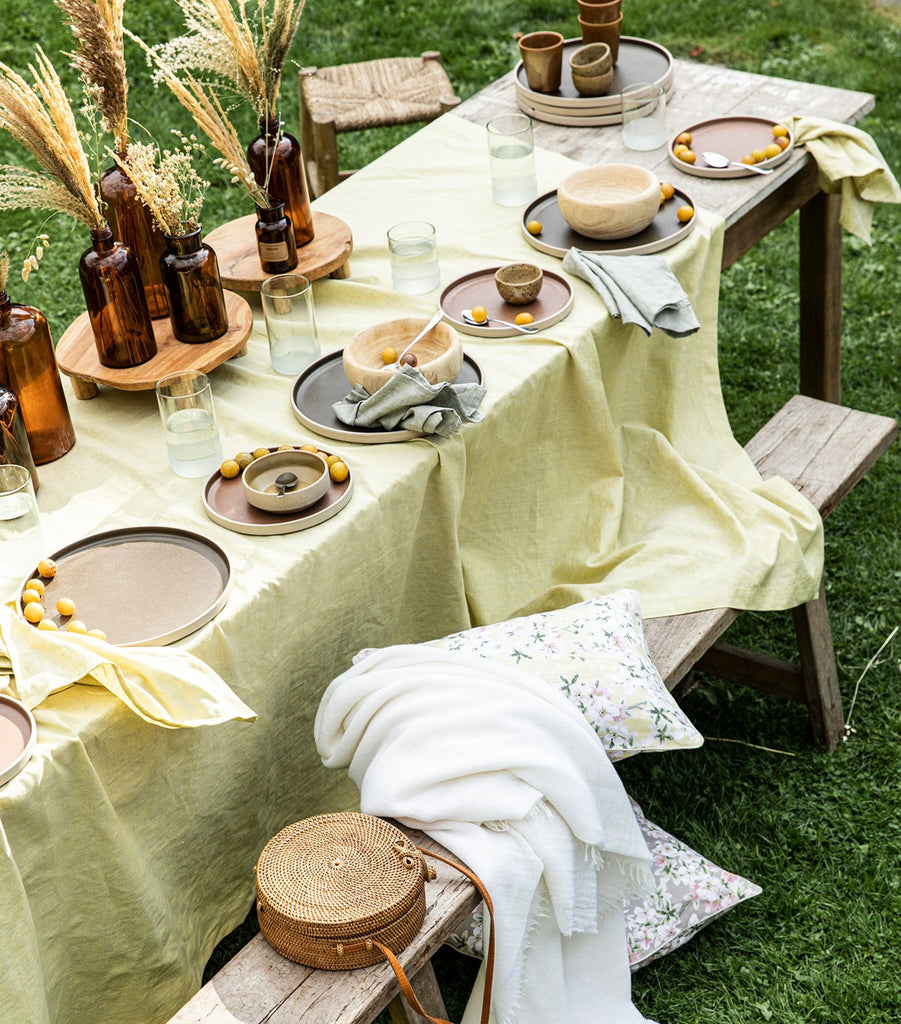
(132, 225)
(196, 302)
(117, 309)
(275, 240)
(288, 177)
(28, 368)
(14, 447)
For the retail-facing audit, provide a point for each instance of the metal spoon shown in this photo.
(285, 482)
(466, 314)
(438, 315)
(718, 160)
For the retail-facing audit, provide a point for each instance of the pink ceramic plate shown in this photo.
(478, 289)
(734, 137)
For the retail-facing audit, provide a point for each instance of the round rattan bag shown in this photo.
(329, 885)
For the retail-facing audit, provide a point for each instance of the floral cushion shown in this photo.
(689, 893)
(595, 652)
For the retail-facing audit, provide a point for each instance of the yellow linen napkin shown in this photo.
(849, 161)
(164, 686)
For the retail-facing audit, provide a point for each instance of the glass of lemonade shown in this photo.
(290, 322)
(511, 160)
(185, 400)
(413, 249)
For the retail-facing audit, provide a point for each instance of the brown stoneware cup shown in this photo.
(608, 33)
(542, 58)
(598, 13)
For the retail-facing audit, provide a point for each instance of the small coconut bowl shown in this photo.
(591, 68)
(609, 201)
(519, 283)
(439, 354)
(261, 490)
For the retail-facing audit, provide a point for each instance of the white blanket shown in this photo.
(502, 770)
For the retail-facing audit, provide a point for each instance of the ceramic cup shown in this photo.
(591, 67)
(542, 58)
(607, 32)
(598, 13)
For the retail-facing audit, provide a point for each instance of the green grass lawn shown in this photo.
(820, 833)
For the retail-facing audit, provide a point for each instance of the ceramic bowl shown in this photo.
(591, 67)
(519, 283)
(439, 355)
(609, 201)
(260, 488)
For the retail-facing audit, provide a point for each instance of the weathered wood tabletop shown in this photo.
(751, 206)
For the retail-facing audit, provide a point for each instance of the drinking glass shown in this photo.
(21, 536)
(189, 420)
(511, 159)
(413, 248)
(644, 116)
(290, 322)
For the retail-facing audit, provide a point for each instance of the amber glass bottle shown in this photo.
(275, 239)
(288, 178)
(133, 226)
(196, 302)
(28, 368)
(114, 295)
(14, 447)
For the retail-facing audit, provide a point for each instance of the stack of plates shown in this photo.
(639, 61)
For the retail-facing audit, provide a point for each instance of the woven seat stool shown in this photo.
(370, 94)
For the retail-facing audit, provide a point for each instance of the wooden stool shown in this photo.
(370, 94)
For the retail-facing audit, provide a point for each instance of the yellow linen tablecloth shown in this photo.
(604, 460)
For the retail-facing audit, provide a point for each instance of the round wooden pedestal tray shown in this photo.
(239, 261)
(77, 357)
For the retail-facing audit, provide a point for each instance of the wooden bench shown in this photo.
(259, 986)
(823, 450)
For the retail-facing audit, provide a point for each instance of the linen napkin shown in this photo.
(849, 162)
(640, 290)
(164, 686)
(409, 402)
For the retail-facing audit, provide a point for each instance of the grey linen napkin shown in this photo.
(409, 402)
(639, 290)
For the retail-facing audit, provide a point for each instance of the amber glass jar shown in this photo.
(14, 447)
(196, 303)
(28, 368)
(133, 226)
(114, 295)
(275, 240)
(288, 180)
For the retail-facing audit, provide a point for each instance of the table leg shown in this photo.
(820, 278)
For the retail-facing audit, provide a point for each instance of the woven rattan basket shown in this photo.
(329, 885)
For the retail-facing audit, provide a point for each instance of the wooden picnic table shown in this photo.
(751, 206)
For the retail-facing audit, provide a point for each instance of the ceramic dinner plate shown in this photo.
(323, 383)
(224, 502)
(557, 237)
(734, 137)
(17, 737)
(572, 118)
(141, 585)
(554, 302)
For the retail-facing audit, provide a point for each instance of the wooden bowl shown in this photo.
(609, 201)
(519, 283)
(439, 355)
(261, 491)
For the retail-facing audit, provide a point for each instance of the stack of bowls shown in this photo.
(592, 69)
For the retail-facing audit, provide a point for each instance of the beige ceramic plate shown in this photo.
(141, 586)
(554, 302)
(571, 118)
(734, 137)
(557, 237)
(225, 503)
(17, 737)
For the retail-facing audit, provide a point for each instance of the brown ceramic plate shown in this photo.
(557, 237)
(323, 383)
(478, 289)
(734, 137)
(225, 503)
(640, 60)
(142, 585)
(17, 737)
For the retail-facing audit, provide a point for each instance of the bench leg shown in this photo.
(820, 672)
(425, 985)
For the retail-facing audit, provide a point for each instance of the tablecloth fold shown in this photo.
(848, 161)
(163, 685)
